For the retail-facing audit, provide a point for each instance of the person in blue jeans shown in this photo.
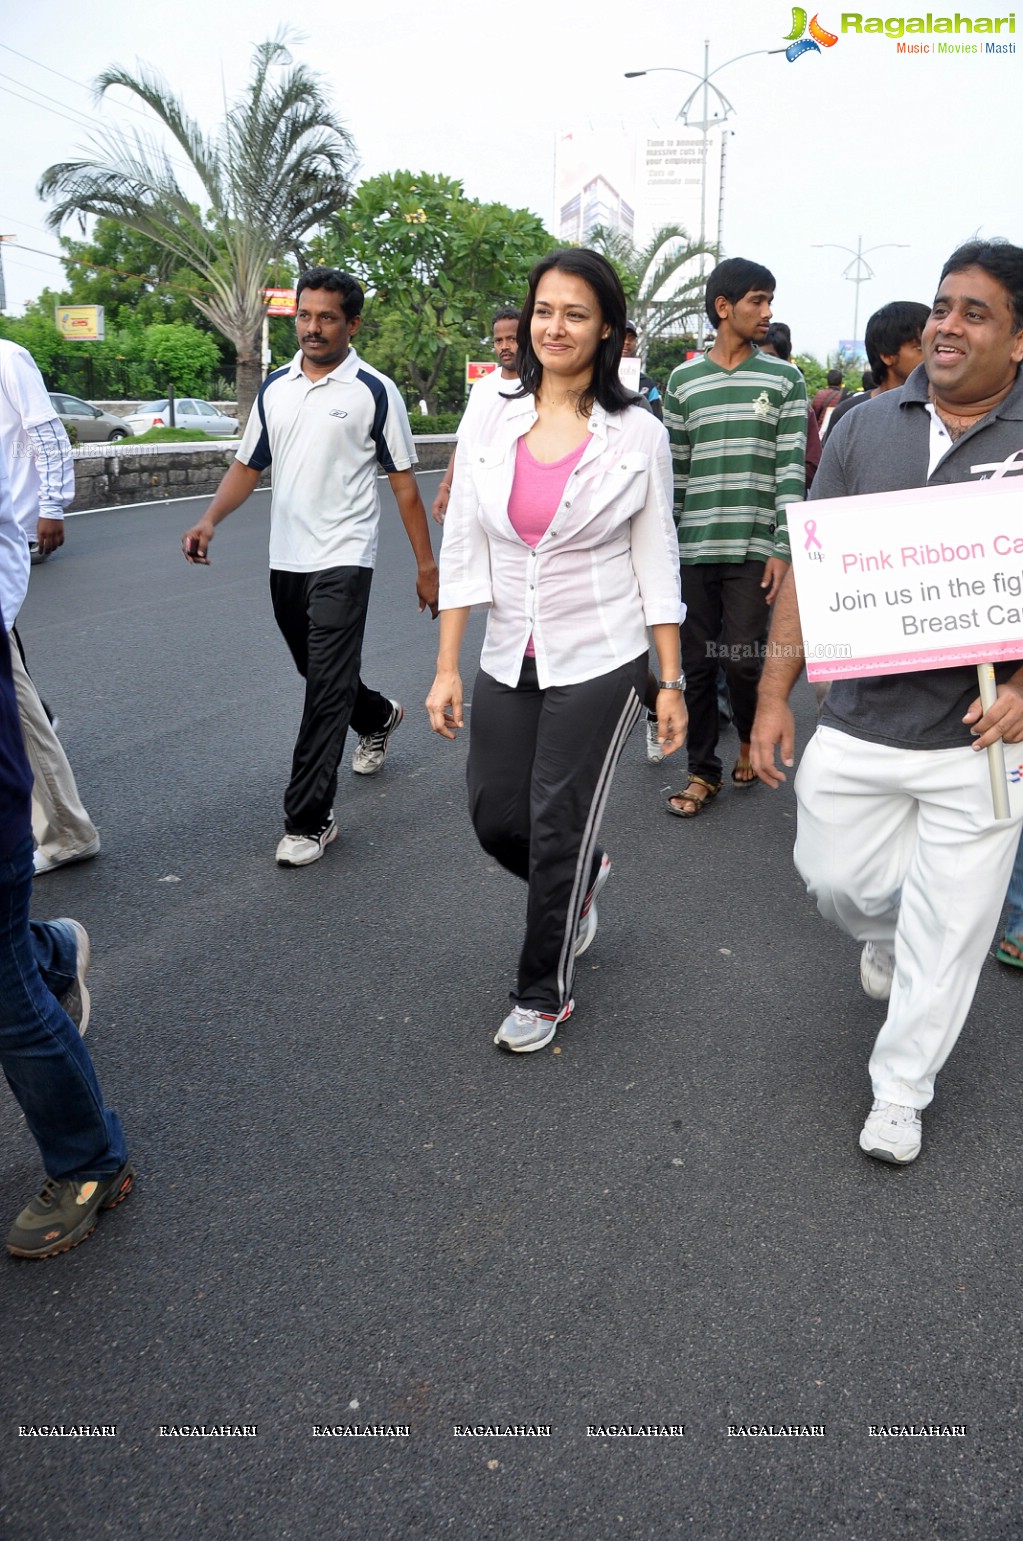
(43, 1011)
(1010, 948)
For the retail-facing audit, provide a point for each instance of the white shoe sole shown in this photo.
(881, 1153)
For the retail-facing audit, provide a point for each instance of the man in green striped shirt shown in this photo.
(736, 419)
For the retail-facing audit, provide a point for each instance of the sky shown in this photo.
(855, 145)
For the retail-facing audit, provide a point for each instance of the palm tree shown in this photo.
(278, 164)
(663, 296)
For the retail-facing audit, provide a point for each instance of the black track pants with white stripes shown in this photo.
(539, 772)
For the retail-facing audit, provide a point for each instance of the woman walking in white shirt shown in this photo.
(560, 522)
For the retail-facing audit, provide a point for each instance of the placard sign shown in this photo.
(899, 581)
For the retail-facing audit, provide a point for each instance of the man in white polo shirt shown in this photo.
(326, 422)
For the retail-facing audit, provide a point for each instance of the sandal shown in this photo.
(1014, 958)
(743, 774)
(711, 790)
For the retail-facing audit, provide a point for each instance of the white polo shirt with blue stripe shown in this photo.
(326, 440)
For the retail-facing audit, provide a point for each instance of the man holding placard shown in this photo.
(898, 840)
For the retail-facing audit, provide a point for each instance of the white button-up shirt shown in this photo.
(606, 569)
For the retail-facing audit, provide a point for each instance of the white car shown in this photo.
(189, 412)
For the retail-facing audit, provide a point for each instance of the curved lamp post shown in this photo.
(858, 270)
(705, 84)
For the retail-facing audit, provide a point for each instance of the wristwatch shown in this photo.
(679, 684)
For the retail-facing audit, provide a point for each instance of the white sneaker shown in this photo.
(877, 969)
(300, 850)
(892, 1132)
(371, 750)
(588, 913)
(524, 1030)
(654, 752)
(42, 863)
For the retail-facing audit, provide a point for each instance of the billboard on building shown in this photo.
(636, 179)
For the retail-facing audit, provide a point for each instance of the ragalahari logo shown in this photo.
(805, 39)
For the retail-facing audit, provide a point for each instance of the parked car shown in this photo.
(189, 412)
(90, 424)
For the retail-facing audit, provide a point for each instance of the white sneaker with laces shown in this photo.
(371, 750)
(524, 1030)
(892, 1132)
(877, 969)
(301, 850)
(654, 752)
(588, 914)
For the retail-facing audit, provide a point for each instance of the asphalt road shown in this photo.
(352, 1209)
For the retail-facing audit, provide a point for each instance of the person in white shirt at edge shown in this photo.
(37, 453)
(326, 422)
(560, 521)
(504, 378)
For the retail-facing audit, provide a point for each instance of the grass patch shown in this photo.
(175, 436)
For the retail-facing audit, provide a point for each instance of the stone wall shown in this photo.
(108, 474)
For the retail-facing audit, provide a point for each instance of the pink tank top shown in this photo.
(537, 490)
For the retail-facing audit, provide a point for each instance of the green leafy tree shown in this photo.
(662, 280)
(814, 373)
(382, 342)
(136, 280)
(276, 167)
(35, 331)
(184, 355)
(439, 261)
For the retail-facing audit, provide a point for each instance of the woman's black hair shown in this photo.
(605, 385)
(779, 338)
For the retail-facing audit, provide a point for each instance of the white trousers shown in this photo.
(900, 847)
(62, 828)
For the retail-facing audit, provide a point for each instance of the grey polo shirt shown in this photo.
(884, 446)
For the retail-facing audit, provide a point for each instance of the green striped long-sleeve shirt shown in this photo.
(738, 447)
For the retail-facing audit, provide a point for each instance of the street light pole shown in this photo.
(3, 291)
(704, 84)
(859, 270)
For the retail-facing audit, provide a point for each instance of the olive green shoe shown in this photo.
(64, 1213)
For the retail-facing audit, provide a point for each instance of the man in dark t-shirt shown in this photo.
(648, 387)
(897, 838)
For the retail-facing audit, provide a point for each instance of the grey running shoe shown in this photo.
(63, 1213)
(371, 750)
(588, 913)
(301, 850)
(75, 1000)
(524, 1031)
(654, 752)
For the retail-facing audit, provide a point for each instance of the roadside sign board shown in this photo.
(895, 582)
(280, 302)
(80, 323)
